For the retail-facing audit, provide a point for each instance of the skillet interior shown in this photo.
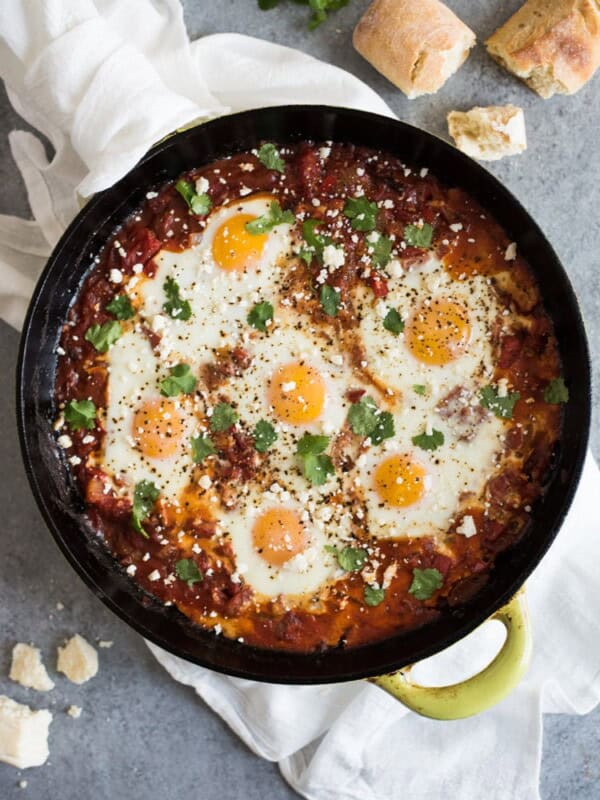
(47, 470)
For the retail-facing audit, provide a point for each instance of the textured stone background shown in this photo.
(141, 735)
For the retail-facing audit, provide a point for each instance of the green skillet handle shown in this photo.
(483, 690)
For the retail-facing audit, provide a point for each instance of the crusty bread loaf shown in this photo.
(416, 45)
(553, 45)
(489, 133)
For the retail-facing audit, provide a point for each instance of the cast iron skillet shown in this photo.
(46, 468)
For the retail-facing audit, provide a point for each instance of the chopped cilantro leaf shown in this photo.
(502, 407)
(361, 213)
(349, 558)
(180, 381)
(120, 307)
(362, 416)
(425, 582)
(264, 436)
(316, 466)
(187, 570)
(393, 322)
(269, 156)
(419, 388)
(102, 336)
(380, 249)
(311, 444)
(198, 204)
(316, 242)
(373, 595)
(330, 300)
(556, 392)
(259, 315)
(320, 8)
(275, 216)
(145, 496)
(202, 447)
(175, 306)
(223, 417)
(429, 442)
(417, 236)
(80, 414)
(384, 429)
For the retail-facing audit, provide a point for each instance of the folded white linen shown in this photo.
(103, 80)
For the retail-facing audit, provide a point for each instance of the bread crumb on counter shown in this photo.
(23, 734)
(417, 46)
(552, 45)
(489, 133)
(78, 660)
(28, 670)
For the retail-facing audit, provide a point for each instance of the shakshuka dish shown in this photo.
(309, 393)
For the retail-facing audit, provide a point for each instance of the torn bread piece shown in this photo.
(28, 670)
(23, 734)
(489, 133)
(417, 46)
(552, 45)
(78, 660)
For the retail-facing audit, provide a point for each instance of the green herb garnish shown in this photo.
(264, 436)
(316, 242)
(365, 419)
(380, 249)
(316, 466)
(417, 236)
(350, 559)
(373, 595)
(425, 582)
(198, 204)
(187, 570)
(80, 414)
(120, 307)
(429, 441)
(260, 314)
(502, 407)
(556, 392)
(102, 336)
(275, 216)
(175, 306)
(269, 156)
(330, 300)
(180, 381)
(361, 213)
(145, 496)
(320, 8)
(202, 447)
(393, 322)
(384, 428)
(223, 417)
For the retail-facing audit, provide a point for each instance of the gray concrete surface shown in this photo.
(141, 735)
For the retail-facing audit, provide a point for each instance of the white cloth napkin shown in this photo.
(103, 80)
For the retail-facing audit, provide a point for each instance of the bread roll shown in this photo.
(489, 133)
(553, 45)
(416, 45)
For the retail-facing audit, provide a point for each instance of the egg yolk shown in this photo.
(399, 481)
(157, 428)
(297, 393)
(234, 248)
(438, 333)
(278, 535)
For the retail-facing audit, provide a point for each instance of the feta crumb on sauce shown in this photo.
(467, 527)
(333, 257)
(154, 575)
(511, 252)
(115, 276)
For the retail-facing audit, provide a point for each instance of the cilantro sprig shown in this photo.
(419, 235)
(350, 559)
(556, 392)
(80, 414)
(180, 381)
(425, 583)
(393, 322)
(260, 314)
(175, 306)
(198, 204)
(317, 466)
(223, 418)
(373, 595)
(429, 441)
(365, 419)
(145, 496)
(120, 307)
(316, 242)
(361, 213)
(187, 570)
(330, 300)
(379, 247)
(202, 446)
(502, 407)
(265, 436)
(269, 156)
(275, 216)
(320, 9)
(102, 336)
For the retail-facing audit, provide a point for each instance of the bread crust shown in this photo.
(417, 46)
(489, 133)
(552, 45)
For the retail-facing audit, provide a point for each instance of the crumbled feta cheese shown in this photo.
(333, 257)
(467, 527)
(74, 711)
(424, 171)
(65, 441)
(105, 643)
(511, 252)
(115, 276)
(78, 660)
(202, 186)
(503, 387)
(456, 227)
(324, 152)
(154, 575)
(28, 670)
(205, 482)
(23, 734)
(151, 195)
(75, 461)
(137, 268)
(158, 323)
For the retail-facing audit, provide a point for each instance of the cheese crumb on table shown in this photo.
(23, 734)
(28, 670)
(74, 711)
(78, 660)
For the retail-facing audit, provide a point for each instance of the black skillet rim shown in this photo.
(166, 627)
